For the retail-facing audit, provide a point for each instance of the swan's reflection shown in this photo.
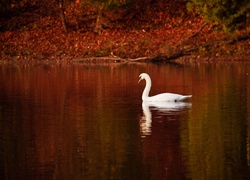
(163, 108)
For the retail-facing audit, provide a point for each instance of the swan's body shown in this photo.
(159, 97)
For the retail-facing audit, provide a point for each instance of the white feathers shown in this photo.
(159, 97)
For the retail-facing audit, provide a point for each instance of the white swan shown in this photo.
(159, 97)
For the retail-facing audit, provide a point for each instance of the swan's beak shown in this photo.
(140, 79)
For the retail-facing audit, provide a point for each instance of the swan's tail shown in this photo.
(185, 97)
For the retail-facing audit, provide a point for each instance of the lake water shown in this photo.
(87, 121)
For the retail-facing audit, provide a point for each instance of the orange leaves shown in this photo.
(159, 29)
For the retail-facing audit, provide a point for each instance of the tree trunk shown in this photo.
(248, 21)
(98, 25)
(63, 19)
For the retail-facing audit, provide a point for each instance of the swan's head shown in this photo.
(143, 76)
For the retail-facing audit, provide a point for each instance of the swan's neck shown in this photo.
(145, 93)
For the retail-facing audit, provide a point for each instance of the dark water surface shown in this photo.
(86, 121)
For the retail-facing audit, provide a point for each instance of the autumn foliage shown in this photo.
(144, 29)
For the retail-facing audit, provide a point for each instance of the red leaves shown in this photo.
(161, 29)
